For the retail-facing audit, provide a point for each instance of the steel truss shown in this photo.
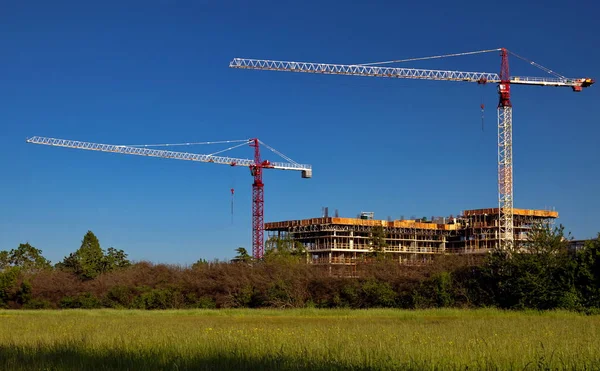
(505, 178)
(395, 72)
(163, 154)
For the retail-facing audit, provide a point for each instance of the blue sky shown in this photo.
(157, 72)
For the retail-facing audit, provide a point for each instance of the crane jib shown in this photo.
(408, 73)
(113, 148)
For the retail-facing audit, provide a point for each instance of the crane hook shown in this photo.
(482, 116)
(232, 194)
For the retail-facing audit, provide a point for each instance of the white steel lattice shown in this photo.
(505, 178)
(161, 153)
(394, 72)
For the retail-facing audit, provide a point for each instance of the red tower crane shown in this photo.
(256, 167)
(504, 80)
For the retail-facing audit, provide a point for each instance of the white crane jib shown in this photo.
(131, 150)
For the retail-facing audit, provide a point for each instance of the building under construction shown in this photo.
(347, 241)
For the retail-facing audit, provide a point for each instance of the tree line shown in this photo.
(548, 276)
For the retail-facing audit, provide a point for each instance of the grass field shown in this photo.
(298, 340)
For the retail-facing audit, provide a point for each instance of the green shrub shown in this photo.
(8, 281)
(83, 301)
(38, 304)
(204, 302)
(378, 294)
(159, 299)
(23, 295)
(120, 296)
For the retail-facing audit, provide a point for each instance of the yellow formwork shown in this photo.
(355, 221)
(523, 212)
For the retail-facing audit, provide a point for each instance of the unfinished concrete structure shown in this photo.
(347, 241)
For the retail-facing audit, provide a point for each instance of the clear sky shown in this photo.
(125, 72)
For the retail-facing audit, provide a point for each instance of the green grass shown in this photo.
(298, 340)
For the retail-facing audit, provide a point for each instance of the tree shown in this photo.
(285, 247)
(4, 260)
(587, 275)
(88, 261)
(200, 263)
(242, 255)
(377, 241)
(28, 258)
(540, 274)
(115, 259)
(25, 256)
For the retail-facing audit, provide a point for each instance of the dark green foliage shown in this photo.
(242, 255)
(248, 296)
(205, 302)
(378, 242)
(120, 296)
(115, 259)
(85, 300)
(587, 273)
(26, 257)
(160, 299)
(8, 283)
(4, 260)
(23, 295)
(279, 249)
(544, 275)
(378, 294)
(435, 292)
(201, 263)
(38, 304)
(89, 261)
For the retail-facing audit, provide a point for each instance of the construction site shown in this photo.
(346, 241)
(349, 241)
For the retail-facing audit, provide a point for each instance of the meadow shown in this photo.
(298, 339)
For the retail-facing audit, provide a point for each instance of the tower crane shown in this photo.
(503, 79)
(256, 166)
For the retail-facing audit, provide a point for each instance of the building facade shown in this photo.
(348, 241)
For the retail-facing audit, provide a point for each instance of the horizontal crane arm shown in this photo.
(362, 70)
(396, 72)
(164, 154)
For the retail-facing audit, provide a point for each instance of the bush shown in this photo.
(8, 282)
(378, 294)
(159, 299)
(120, 296)
(205, 302)
(38, 304)
(83, 301)
(23, 295)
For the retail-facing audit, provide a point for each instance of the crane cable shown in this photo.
(545, 69)
(277, 152)
(227, 149)
(433, 57)
(185, 144)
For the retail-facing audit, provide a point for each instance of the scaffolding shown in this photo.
(349, 241)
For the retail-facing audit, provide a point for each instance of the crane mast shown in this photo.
(256, 167)
(505, 165)
(258, 203)
(504, 80)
